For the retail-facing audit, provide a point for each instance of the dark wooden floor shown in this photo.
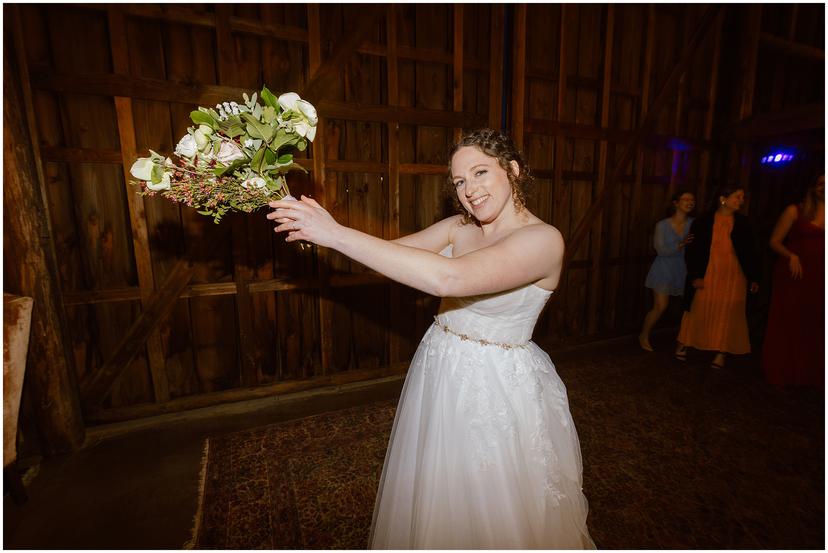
(675, 456)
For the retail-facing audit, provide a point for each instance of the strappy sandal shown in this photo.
(718, 366)
(681, 354)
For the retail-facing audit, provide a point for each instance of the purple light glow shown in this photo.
(777, 158)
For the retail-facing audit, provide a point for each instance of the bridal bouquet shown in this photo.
(235, 158)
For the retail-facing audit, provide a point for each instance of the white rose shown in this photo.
(288, 101)
(187, 146)
(304, 129)
(308, 111)
(163, 185)
(255, 182)
(229, 152)
(142, 168)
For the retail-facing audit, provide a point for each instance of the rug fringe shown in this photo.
(202, 480)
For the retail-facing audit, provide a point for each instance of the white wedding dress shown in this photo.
(483, 453)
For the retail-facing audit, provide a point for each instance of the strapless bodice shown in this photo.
(507, 317)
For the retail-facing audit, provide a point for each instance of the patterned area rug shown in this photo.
(675, 457)
(303, 484)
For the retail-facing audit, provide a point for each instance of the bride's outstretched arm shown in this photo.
(528, 255)
(433, 238)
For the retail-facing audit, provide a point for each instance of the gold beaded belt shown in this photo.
(467, 338)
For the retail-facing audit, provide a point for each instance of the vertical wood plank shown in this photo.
(637, 226)
(750, 57)
(675, 167)
(712, 93)
(561, 192)
(321, 191)
(598, 249)
(496, 67)
(793, 22)
(137, 214)
(393, 208)
(458, 65)
(519, 76)
(242, 274)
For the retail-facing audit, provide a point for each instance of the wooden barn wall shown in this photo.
(775, 102)
(581, 92)
(261, 317)
(258, 317)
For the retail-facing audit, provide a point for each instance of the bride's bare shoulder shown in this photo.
(539, 230)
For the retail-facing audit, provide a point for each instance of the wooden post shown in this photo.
(32, 270)
(458, 65)
(750, 59)
(393, 208)
(702, 191)
(519, 76)
(649, 50)
(496, 66)
(137, 215)
(560, 193)
(597, 246)
(242, 273)
(792, 24)
(322, 192)
(675, 177)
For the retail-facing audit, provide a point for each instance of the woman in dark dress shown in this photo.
(793, 353)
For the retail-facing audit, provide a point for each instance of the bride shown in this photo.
(483, 453)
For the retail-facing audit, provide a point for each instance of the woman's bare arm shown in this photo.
(526, 256)
(434, 238)
(780, 231)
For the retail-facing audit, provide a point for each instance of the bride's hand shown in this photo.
(304, 220)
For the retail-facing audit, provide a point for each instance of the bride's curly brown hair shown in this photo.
(500, 146)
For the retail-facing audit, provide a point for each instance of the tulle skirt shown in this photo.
(483, 454)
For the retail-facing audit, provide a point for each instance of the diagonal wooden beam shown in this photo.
(690, 50)
(158, 306)
(320, 81)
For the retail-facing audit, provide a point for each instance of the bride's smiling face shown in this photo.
(482, 185)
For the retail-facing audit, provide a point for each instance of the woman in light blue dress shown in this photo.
(668, 271)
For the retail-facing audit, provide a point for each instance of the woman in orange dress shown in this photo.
(721, 261)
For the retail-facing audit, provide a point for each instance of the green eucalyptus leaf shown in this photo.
(232, 127)
(275, 184)
(258, 160)
(202, 118)
(283, 138)
(284, 159)
(268, 98)
(269, 114)
(301, 144)
(205, 212)
(257, 129)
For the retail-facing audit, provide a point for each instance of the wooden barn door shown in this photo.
(168, 311)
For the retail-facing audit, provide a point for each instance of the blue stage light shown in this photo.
(777, 158)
